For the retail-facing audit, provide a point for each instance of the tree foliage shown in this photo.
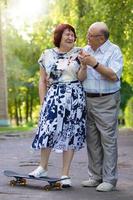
(22, 55)
(129, 113)
(22, 71)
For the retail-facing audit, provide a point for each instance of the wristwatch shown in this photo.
(95, 66)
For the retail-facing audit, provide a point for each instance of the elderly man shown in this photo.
(104, 67)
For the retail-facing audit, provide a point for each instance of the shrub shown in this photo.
(129, 113)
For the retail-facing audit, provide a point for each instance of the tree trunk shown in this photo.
(31, 105)
(20, 112)
(3, 83)
(27, 106)
(16, 112)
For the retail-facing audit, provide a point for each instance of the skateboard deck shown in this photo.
(20, 179)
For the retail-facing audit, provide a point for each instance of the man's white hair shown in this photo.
(99, 25)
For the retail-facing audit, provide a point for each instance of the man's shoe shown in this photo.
(38, 172)
(66, 182)
(90, 183)
(105, 187)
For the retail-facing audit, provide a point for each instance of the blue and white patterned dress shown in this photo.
(62, 118)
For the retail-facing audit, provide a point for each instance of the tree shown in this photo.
(22, 76)
(3, 81)
(129, 113)
(22, 55)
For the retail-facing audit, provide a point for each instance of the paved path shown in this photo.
(15, 154)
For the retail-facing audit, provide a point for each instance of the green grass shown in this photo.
(15, 129)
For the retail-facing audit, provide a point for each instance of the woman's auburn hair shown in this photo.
(59, 31)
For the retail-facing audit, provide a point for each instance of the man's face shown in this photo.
(94, 37)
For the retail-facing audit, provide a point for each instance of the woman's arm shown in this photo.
(42, 84)
(82, 73)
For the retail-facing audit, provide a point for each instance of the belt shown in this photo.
(98, 94)
(59, 82)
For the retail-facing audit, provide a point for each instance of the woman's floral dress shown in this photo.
(62, 118)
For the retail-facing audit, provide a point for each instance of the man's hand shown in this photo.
(86, 59)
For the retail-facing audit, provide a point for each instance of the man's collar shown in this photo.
(104, 46)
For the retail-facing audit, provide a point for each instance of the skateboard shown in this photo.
(21, 179)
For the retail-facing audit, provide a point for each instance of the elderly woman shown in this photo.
(62, 118)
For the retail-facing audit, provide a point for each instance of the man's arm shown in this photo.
(107, 72)
(87, 59)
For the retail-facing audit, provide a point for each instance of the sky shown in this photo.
(25, 11)
(22, 14)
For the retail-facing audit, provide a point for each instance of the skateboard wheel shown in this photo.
(58, 186)
(47, 187)
(12, 183)
(22, 182)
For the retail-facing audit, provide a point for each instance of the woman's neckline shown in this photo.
(61, 52)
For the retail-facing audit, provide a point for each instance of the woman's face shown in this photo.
(67, 39)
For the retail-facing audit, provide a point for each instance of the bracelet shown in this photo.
(95, 66)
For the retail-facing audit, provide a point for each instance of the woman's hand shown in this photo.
(81, 56)
(87, 59)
